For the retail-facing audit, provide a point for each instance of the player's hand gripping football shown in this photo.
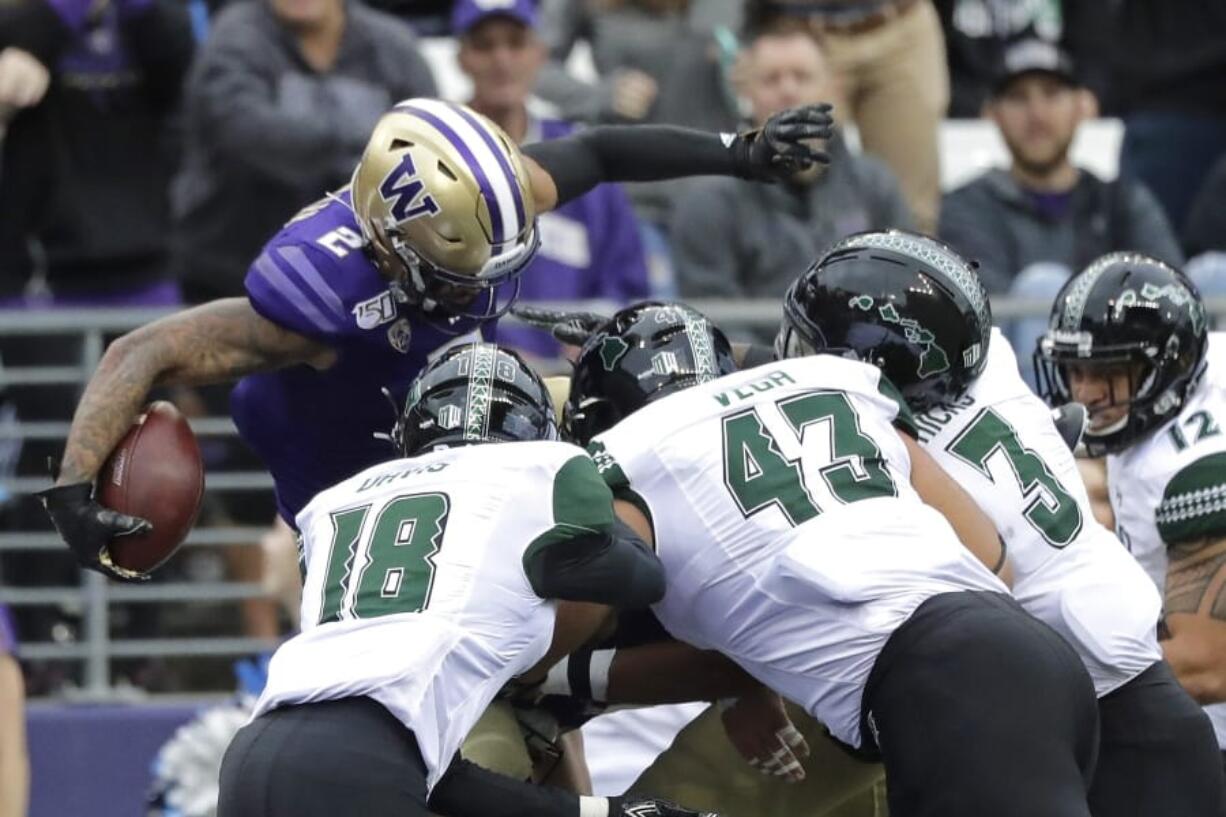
(759, 728)
(633, 806)
(784, 145)
(88, 527)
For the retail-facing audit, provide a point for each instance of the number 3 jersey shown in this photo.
(1171, 486)
(999, 443)
(416, 592)
(783, 512)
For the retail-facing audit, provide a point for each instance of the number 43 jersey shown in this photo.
(999, 443)
(416, 592)
(784, 516)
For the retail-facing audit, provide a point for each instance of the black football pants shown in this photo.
(1158, 754)
(980, 710)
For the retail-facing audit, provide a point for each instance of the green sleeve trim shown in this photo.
(1194, 503)
(581, 499)
(905, 419)
(582, 507)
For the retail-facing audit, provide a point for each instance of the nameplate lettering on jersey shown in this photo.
(748, 391)
(411, 471)
(932, 421)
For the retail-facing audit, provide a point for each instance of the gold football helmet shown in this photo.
(441, 194)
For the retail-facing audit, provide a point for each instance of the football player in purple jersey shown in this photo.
(357, 291)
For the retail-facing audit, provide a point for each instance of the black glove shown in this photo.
(88, 527)
(634, 806)
(569, 327)
(778, 149)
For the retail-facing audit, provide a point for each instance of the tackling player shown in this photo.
(786, 508)
(427, 587)
(360, 289)
(1130, 339)
(913, 307)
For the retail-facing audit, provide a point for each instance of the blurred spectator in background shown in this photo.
(889, 57)
(280, 104)
(977, 32)
(87, 89)
(660, 61)
(1031, 225)
(14, 759)
(735, 239)
(1204, 236)
(1170, 73)
(590, 247)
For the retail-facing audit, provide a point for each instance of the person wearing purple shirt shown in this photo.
(590, 247)
(426, 245)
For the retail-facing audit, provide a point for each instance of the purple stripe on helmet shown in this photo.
(310, 274)
(283, 286)
(502, 162)
(487, 190)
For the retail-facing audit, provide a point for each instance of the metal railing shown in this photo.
(94, 594)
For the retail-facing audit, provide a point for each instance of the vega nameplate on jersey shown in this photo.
(755, 387)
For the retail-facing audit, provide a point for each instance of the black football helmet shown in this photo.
(1130, 311)
(902, 301)
(642, 353)
(475, 393)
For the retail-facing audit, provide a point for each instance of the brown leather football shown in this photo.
(155, 473)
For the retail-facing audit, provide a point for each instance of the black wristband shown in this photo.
(579, 674)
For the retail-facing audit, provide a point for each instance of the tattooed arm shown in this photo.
(1196, 617)
(213, 343)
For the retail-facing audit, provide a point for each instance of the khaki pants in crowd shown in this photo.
(895, 88)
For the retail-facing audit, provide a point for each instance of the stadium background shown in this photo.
(101, 704)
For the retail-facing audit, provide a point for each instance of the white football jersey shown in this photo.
(416, 593)
(784, 515)
(1171, 486)
(999, 443)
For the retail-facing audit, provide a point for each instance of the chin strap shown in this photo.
(397, 432)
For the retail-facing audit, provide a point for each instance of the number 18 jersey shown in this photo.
(783, 513)
(416, 594)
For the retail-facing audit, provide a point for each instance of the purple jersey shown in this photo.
(315, 428)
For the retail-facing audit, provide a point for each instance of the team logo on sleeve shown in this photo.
(400, 335)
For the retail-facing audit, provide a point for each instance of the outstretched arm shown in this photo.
(213, 343)
(563, 169)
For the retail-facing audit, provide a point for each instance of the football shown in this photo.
(155, 473)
